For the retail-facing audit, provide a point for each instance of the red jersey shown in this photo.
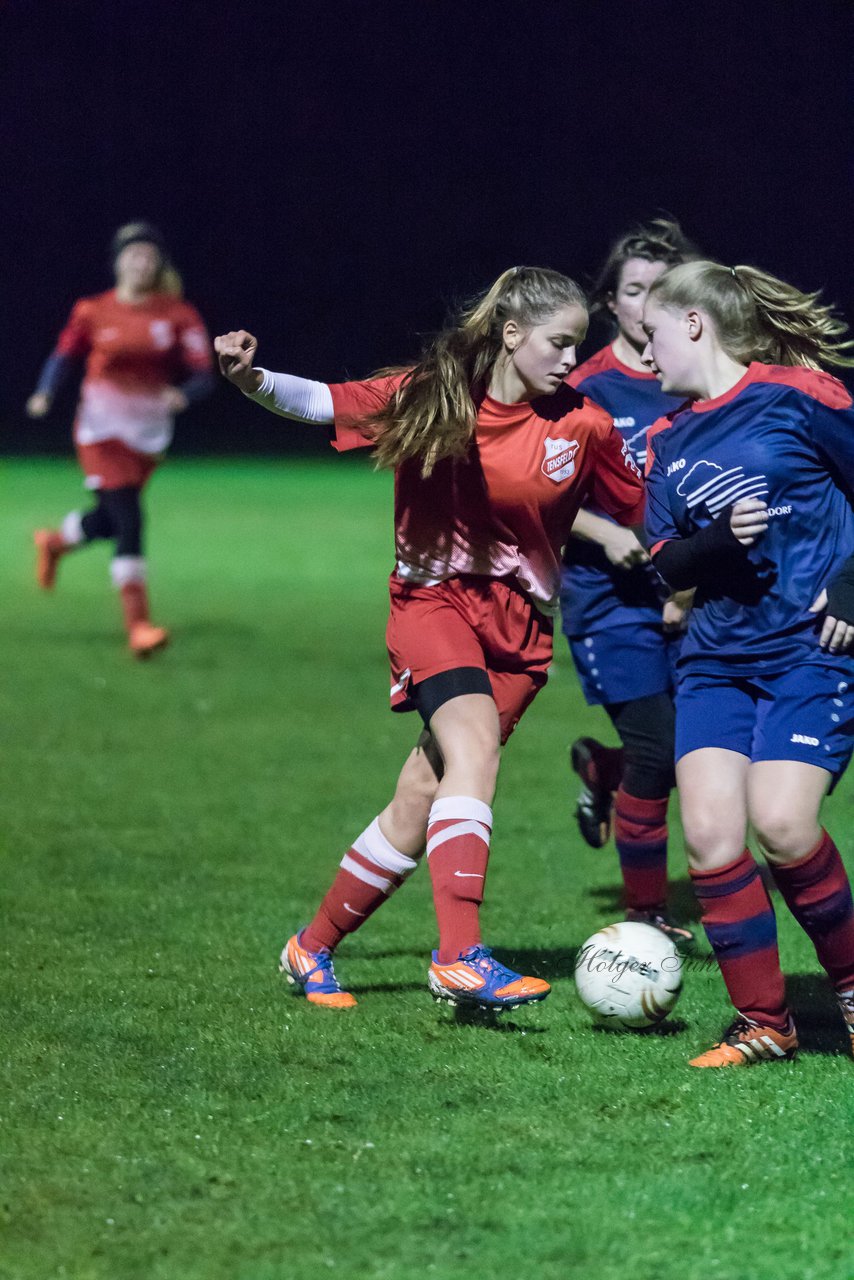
(133, 351)
(506, 509)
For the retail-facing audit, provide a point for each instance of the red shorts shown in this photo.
(111, 464)
(468, 622)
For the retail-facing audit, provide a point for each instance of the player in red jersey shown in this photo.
(623, 626)
(493, 455)
(750, 500)
(147, 358)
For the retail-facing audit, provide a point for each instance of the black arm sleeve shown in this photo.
(840, 594)
(685, 562)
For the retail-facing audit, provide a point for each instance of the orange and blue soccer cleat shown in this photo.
(599, 769)
(50, 546)
(145, 639)
(745, 1044)
(477, 981)
(312, 970)
(846, 1006)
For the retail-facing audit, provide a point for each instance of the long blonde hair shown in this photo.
(433, 414)
(757, 316)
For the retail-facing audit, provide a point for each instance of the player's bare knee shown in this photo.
(784, 834)
(709, 843)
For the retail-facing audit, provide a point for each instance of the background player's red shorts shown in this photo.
(111, 464)
(469, 622)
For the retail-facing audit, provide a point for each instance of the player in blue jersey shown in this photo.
(750, 500)
(624, 627)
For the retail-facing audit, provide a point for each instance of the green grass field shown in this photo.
(171, 1111)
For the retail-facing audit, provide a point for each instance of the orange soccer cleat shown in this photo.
(313, 972)
(145, 639)
(745, 1044)
(50, 546)
(478, 981)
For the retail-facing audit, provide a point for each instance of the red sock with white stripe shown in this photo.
(458, 833)
(370, 871)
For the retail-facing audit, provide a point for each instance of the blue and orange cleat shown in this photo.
(312, 970)
(477, 981)
(745, 1044)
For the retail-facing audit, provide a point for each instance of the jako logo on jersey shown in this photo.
(804, 739)
(559, 462)
(678, 465)
(624, 422)
(709, 485)
(161, 333)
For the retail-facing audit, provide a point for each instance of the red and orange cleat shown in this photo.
(313, 971)
(146, 639)
(50, 546)
(477, 981)
(745, 1044)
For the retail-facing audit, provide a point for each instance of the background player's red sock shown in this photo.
(640, 834)
(458, 835)
(818, 894)
(370, 871)
(739, 922)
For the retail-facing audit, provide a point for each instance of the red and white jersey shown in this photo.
(133, 352)
(506, 509)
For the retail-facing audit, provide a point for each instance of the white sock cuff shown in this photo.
(127, 569)
(373, 844)
(72, 529)
(460, 807)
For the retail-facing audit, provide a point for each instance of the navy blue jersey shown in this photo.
(595, 595)
(785, 435)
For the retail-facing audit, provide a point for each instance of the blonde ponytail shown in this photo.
(757, 316)
(433, 413)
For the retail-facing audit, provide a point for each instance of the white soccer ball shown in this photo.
(628, 975)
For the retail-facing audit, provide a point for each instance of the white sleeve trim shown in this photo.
(296, 398)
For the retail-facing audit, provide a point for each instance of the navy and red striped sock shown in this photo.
(640, 834)
(817, 891)
(742, 931)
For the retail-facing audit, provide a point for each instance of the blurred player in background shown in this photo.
(147, 357)
(624, 627)
(493, 455)
(749, 500)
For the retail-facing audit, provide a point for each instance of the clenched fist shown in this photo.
(236, 354)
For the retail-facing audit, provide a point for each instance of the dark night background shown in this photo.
(335, 176)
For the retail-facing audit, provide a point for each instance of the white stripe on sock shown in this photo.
(368, 877)
(460, 807)
(458, 829)
(374, 846)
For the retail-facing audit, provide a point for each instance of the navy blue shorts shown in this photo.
(805, 713)
(626, 663)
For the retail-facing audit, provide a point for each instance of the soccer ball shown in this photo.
(628, 975)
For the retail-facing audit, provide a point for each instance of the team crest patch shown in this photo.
(559, 462)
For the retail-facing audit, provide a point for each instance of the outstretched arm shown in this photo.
(301, 399)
